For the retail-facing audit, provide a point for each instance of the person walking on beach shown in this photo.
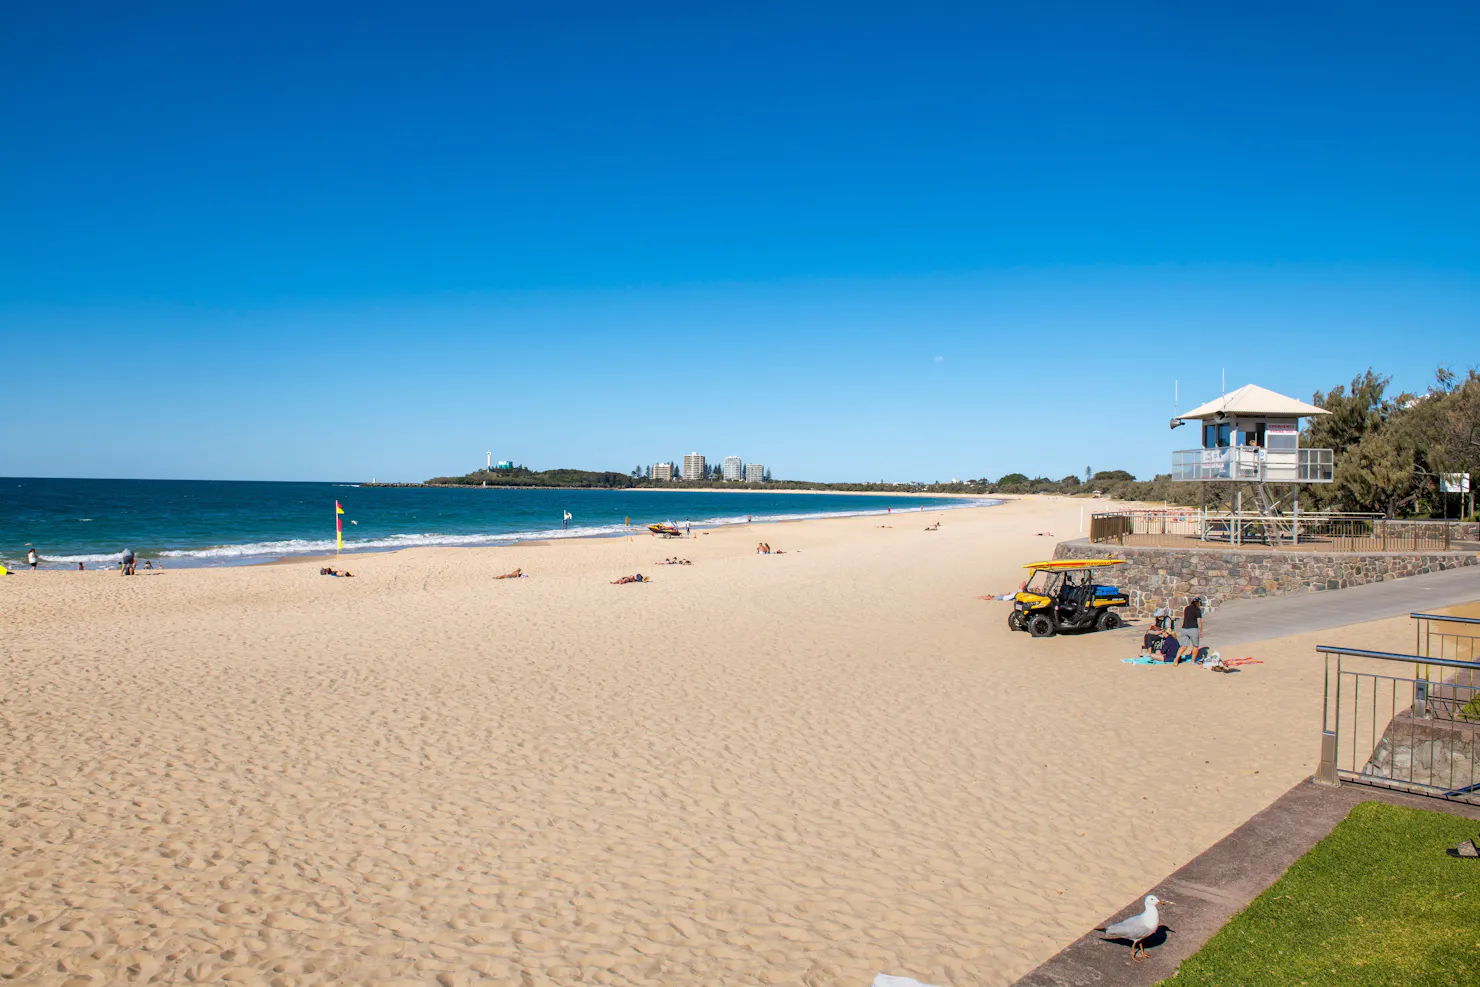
(32, 558)
(126, 563)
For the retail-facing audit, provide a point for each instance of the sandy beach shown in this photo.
(789, 769)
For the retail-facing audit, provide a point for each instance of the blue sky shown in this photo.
(249, 241)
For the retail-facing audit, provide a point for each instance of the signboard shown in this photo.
(1455, 483)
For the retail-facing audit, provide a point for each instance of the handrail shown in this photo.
(1331, 649)
(1445, 617)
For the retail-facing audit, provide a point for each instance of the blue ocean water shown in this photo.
(208, 522)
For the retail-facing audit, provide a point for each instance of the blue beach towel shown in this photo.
(1143, 660)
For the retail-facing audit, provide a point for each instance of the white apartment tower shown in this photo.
(663, 471)
(733, 468)
(754, 472)
(693, 466)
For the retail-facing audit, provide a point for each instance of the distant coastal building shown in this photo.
(663, 471)
(693, 467)
(754, 472)
(734, 468)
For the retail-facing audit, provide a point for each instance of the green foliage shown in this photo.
(1355, 414)
(1377, 902)
(1390, 452)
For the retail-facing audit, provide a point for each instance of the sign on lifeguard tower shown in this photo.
(1252, 435)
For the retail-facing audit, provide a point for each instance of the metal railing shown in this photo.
(1438, 635)
(1308, 532)
(1408, 722)
(1227, 463)
(1252, 464)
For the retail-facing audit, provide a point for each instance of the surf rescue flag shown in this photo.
(338, 528)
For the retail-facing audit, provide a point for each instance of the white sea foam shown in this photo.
(303, 546)
(322, 546)
(113, 557)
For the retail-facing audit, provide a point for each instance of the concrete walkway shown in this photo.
(1243, 621)
(1217, 884)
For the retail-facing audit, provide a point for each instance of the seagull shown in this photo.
(1137, 927)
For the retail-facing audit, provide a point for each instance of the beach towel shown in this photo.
(885, 980)
(1143, 660)
(1242, 661)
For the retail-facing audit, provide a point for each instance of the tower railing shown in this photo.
(1251, 464)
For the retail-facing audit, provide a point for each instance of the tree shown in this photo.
(1353, 415)
(766, 476)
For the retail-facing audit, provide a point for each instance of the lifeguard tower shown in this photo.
(1251, 440)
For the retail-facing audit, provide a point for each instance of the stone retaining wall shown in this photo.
(1169, 577)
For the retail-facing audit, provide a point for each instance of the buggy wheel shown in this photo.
(1015, 621)
(1109, 620)
(1040, 626)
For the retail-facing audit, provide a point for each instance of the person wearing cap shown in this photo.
(1192, 625)
(1156, 633)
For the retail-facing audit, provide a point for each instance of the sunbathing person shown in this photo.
(630, 579)
(516, 574)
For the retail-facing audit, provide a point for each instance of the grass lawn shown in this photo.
(1376, 902)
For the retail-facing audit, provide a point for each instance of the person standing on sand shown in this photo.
(32, 558)
(1192, 625)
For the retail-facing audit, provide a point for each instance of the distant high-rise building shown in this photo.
(734, 469)
(754, 472)
(663, 471)
(693, 466)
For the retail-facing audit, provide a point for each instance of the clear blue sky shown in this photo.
(316, 241)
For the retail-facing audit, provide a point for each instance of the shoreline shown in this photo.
(681, 489)
(508, 540)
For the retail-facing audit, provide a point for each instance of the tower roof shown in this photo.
(1252, 401)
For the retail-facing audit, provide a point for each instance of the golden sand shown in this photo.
(789, 769)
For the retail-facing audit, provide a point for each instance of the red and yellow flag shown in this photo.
(338, 528)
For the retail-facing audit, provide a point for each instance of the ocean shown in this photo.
(210, 522)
